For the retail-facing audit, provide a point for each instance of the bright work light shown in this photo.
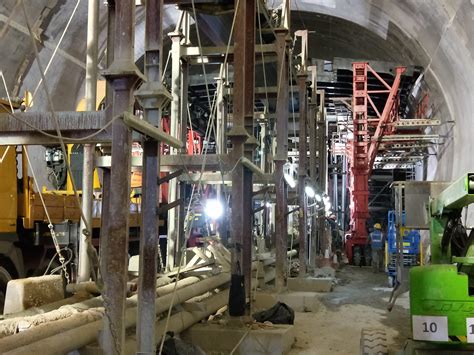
(214, 209)
(309, 191)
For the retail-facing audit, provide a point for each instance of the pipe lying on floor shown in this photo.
(52, 324)
(77, 298)
(49, 329)
(78, 337)
(183, 320)
(11, 325)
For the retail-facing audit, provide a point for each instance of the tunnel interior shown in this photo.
(435, 41)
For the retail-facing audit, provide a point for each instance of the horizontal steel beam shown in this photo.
(404, 146)
(216, 178)
(171, 176)
(151, 131)
(252, 167)
(416, 123)
(210, 162)
(189, 52)
(405, 159)
(391, 166)
(409, 137)
(24, 127)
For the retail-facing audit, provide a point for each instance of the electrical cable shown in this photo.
(454, 235)
(56, 269)
(201, 54)
(6, 90)
(91, 250)
(56, 49)
(263, 57)
(9, 19)
(192, 201)
(50, 224)
(292, 99)
(66, 263)
(166, 66)
(49, 135)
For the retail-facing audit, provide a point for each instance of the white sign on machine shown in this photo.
(470, 330)
(430, 328)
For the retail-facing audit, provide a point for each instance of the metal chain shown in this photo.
(50, 224)
(58, 251)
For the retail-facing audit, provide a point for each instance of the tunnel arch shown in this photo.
(438, 37)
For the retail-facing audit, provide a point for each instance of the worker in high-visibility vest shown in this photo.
(377, 244)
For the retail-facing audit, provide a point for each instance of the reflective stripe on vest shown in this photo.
(376, 239)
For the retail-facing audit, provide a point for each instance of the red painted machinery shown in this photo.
(363, 148)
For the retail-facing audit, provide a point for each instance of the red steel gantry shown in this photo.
(363, 147)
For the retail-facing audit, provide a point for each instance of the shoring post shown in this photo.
(121, 75)
(151, 97)
(281, 156)
(302, 173)
(242, 138)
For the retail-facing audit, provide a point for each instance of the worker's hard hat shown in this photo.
(377, 226)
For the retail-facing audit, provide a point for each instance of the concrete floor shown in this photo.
(358, 301)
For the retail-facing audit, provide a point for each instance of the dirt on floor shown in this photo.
(358, 301)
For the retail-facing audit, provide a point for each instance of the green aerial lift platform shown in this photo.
(442, 294)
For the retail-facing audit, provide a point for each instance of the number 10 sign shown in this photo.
(431, 328)
(470, 330)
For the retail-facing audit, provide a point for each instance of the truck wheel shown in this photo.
(5, 276)
(373, 342)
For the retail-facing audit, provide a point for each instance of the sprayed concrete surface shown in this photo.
(358, 301)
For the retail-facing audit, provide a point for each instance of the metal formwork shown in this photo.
(364, 145)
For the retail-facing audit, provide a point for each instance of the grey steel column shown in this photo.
(302, 174)
(105, 225)
(121, 74)
(322, 161)
(313, 162)
(323, 156)
(263, 146)
(240, 134)
(281, 156)
(221, 147)
(335, 200)
(172, 240)
(343, 195)
(151, 96)
(84, 270)
(181, 214)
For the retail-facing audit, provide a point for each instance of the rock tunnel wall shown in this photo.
(437, 35)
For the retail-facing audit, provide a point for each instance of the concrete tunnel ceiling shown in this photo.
(437, 36)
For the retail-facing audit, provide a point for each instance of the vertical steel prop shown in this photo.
(322, 165)
(84, 267)
(104, 230)
(281, 188)
(121, 75)
(313, 162)
(183, 121)
(241, 135)
(178, 124)
(302, 173)
(151, 97)
(173, 214)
